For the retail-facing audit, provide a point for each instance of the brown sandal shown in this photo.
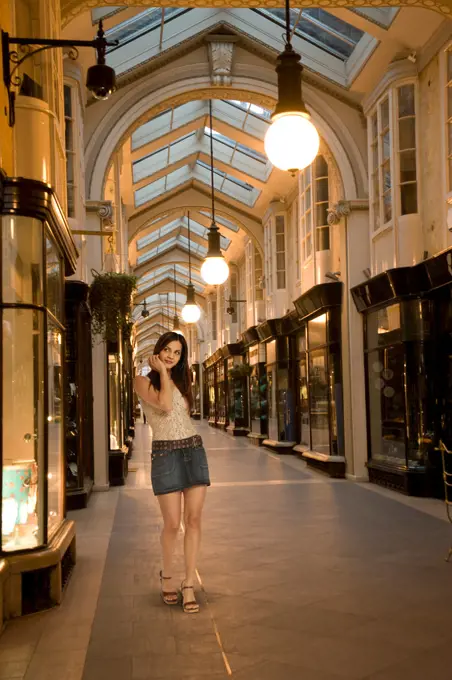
(170, 597)
(191, 607)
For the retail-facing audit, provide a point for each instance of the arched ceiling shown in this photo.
(166, 171)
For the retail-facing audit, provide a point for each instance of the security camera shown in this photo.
(145, 313)
(412, 57)
(101, 81)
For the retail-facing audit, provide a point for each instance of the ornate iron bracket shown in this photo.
(12, 58)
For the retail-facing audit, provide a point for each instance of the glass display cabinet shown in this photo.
(221, 393)
(257, 386)
(79, 439)
(280, 387)
(117, 454)
(237, 389)
(37, 251)
(316, 353)
(407, 337)
(210, 373)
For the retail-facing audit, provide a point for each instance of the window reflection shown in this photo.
(23, 429)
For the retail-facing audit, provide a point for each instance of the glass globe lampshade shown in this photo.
(292, 142)
(191, 313)
(215, 270)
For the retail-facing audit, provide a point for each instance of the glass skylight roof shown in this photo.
(175, 241)
(178, 225)
(320, 28)
(146, 35)
(162, 185)
(221, 220)
(235, 145)
(251, 108)
(182, 274)
(141, 24)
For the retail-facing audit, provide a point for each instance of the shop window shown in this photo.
(258, 275)
(213, 317)
(314, 201)
(385, 384)
(296, 233)
(268, 242)
(306, 212)
(392, 149)
(407, 149)
(70, 142)
(322, 230)
(280, 224)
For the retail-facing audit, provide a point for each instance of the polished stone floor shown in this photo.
(300, 577)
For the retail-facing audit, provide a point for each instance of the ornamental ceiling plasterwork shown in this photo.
(72, 8)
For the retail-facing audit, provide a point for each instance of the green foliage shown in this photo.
(240, 371)
(110, 300)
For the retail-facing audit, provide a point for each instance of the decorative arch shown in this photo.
(123, 118)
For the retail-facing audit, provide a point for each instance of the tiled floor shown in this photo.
(302, 577)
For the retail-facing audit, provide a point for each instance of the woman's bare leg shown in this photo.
(193, 504)
(171, 507)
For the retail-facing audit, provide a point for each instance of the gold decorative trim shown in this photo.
(72, 8)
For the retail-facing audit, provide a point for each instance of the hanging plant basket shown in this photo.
(240, 371)
(110, 300)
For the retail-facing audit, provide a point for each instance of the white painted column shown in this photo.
(96, 215)
(353, 219)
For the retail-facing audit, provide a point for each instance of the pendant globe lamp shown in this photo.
(292, 141)
(215, 269)
(190, 311)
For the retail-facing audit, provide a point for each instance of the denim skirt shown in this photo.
(178, 465)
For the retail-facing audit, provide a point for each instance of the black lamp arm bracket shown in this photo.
(12, 59)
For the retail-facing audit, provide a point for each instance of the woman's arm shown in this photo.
(162, 399)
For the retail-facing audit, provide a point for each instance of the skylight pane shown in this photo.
(319, 28)
(139, 25)
(252, 108)
(221, 220)
(99, 13)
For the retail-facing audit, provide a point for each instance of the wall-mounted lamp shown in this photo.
(231, 310)
(100, 80)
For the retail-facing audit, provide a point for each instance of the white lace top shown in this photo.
(170, 425)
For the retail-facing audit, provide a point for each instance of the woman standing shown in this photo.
(179, 462)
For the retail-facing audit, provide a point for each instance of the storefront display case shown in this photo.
(280, 386)
(257, 386)
(210, 381)
(196, 388)
(237, 389)
(129, 416)
(221, 392)
(79, 445)
(118, 451)
(407, 335)
(37, 251)
(316, 348)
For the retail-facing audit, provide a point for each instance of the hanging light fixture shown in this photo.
(190, 311)
(292, 141)
(214, 269)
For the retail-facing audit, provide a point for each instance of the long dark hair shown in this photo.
(180, 373)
